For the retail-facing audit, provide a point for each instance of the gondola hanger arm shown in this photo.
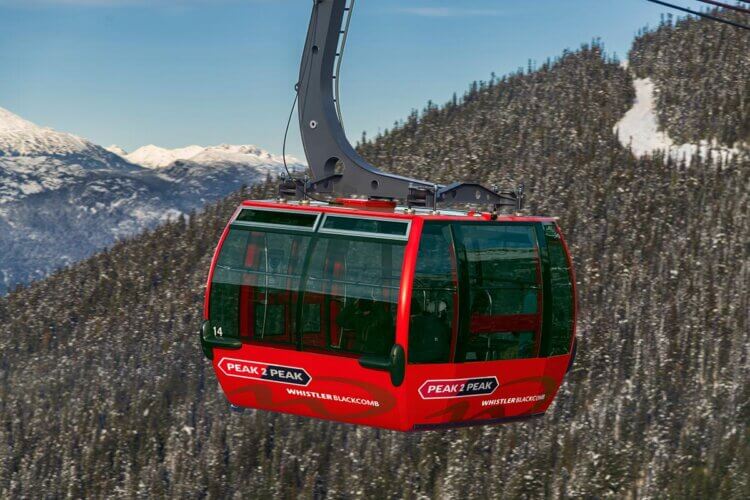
(335, 166)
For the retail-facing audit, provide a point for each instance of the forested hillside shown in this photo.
(702, 70)
(104, 391)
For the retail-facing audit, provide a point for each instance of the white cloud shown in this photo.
(448, 12)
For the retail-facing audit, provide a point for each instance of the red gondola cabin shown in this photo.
(390, 317)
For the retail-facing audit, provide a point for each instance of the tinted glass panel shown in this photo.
(254, 292)
(354, 285)
(351, 288)
(382, 227)
(561, 328)
(301, 220)
(434, 297)
(504, 292)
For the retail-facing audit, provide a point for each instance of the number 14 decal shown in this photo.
(218, 332)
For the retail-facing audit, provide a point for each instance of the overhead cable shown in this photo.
(701, 14)
(726, 6)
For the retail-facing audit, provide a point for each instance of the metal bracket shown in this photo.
(473, 193)
(289, 187)
(420, 196)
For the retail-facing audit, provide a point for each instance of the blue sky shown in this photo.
(179, 72)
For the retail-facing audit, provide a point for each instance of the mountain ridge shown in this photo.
(156, 157)
(22, 138)
(63, 197)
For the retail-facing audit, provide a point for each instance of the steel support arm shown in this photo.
(324, 139)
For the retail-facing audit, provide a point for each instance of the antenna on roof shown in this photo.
(701, 14)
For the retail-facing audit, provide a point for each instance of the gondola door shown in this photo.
(476, 325)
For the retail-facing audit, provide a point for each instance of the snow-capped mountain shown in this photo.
(34, 159)
(226, 154)
(155, 157)
(62, 197)
(19, 137)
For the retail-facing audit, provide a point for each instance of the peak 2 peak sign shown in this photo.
(256, 370)
(458, 388)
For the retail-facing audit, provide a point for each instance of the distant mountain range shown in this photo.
(63, 197)
(157, 157)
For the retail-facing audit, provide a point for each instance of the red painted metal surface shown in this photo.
(337, 387)
(373, 205)
(407, 279)
(343, 391)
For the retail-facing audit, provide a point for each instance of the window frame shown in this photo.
(316, 236)
(542, 235)
(461, 324)
(364, 234)
(278, 227)
(464, 334)
(404, 279)
(294, 236)
(303, 290)
(455, 281)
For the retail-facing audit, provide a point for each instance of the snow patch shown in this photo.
(639, 131)
(31, 187)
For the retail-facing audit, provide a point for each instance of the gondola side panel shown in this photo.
(308, 385)
(449, 395)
